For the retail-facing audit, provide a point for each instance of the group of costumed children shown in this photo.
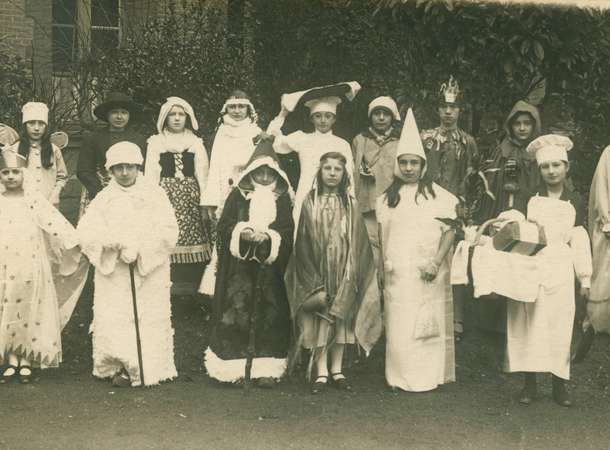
(299, 238)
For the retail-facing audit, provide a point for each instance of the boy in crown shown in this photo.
(451, 153)
(449, 149)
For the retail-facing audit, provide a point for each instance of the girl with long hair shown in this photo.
(414, 266)
(44, 159)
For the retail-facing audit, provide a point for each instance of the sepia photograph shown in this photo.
(305, 224)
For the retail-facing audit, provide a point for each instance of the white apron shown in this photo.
(539, 334)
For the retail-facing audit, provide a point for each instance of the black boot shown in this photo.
(528, 393)
(560, 395)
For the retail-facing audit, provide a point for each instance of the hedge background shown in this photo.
(559, 57)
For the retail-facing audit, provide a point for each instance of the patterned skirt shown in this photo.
(193, 239)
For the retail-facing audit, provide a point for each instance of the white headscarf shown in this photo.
(167, 107)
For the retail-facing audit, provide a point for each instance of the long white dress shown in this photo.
(539, 333)
(310, 147)
(142, 216)
(41, 278)
(411, 235)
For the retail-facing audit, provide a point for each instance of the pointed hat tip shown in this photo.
(410, 140)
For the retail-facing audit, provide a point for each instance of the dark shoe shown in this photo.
(25, 378)
(527, 396)
(266, 382)
(4, 378)
(121, 379)
(528, 393)
(340, 382)
(319, 385)
(560, 395)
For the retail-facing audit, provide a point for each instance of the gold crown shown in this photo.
(10, 159)
(450, 91)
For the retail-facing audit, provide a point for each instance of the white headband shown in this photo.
(325, 104)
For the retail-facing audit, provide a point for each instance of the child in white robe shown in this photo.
(311, 146)
(130, 225)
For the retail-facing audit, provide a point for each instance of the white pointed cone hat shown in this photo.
(410, 142)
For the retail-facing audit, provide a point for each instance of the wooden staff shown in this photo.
(136, 320)
(257, 292)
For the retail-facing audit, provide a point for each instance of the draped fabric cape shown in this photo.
(248, 274)
(357, 300)
(539, 334)
(599, 223)
(142, 218)
(41, 277)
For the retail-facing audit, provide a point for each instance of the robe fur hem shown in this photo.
(233, 370)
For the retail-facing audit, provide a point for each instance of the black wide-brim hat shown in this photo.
(116, 100)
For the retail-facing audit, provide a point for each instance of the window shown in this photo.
(83, 26)
(64, 33)
(104, 24)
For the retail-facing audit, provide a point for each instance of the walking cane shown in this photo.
(136, 320)
(256, 295)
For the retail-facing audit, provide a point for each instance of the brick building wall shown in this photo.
(16, 29)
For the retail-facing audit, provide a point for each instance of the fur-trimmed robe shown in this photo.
(246, 272)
